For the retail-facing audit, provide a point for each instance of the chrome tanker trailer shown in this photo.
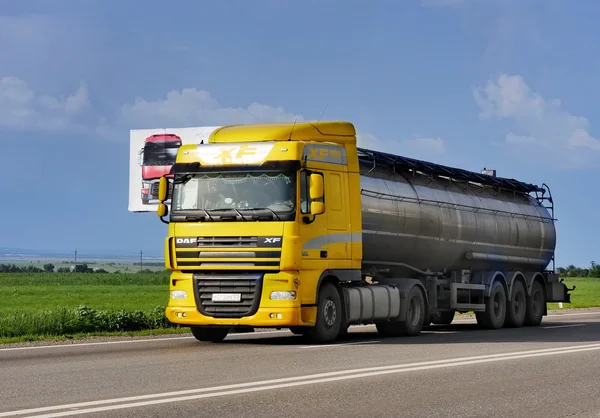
(469, 241)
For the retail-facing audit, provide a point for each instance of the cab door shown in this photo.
(337, 223)
(324, 237)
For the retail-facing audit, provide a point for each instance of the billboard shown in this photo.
(152, 152)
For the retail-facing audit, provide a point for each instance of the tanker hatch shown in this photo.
(488, 172)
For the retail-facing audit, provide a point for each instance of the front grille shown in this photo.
(249, 288)
(227, 242)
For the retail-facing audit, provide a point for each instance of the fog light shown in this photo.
(283, 295)
(178, 294)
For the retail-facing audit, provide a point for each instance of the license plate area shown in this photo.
(226, 297)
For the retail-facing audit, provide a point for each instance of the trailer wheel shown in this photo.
(534, 310)
(329, 315)
(415, 317)
(209, 334)
(516, 309)
(494, 315)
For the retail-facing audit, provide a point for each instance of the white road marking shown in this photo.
(201, 393)
(564, 326)
(145, 340)
(339, 345)
(283, 332)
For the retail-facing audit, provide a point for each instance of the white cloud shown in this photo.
(546, 129)
(192, 107)
(22, 109)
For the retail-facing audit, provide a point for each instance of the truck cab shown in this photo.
(259, 217)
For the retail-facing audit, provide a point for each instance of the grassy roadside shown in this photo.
(41, 306)
(71, 306)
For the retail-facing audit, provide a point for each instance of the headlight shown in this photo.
(283, 295)
(178, 294)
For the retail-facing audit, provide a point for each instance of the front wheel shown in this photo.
(329, 315)
(209, 334)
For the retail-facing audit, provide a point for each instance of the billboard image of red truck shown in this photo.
(156, 158)
(152, 153)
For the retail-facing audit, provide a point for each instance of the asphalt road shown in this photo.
(550, 371)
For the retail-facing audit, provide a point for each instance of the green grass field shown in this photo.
(24, 292)
(68, 305)
(585, 295)
(41, 305)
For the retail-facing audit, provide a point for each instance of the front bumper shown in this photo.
(263, 318)
(254, 307)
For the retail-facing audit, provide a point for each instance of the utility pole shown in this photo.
(140, 261)
(75, 256)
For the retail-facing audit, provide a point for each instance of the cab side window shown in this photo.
(305, 200)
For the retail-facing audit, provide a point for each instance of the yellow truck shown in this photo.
(291, 225)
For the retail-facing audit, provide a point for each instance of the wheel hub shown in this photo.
(329, 313)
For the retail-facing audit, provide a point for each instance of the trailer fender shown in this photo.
(530, 278)
(488, 277)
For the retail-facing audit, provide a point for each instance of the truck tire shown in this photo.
(415, 317)
(516, 308)
(329, 315)
(494, 315)
(534, 310)
(209, 334)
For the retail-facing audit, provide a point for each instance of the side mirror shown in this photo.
(163, 189)
(162, 210)
(140, 156)
(316, 187)
(317, 208)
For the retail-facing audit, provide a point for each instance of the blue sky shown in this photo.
(510, 85)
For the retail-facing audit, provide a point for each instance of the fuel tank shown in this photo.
(430, 222)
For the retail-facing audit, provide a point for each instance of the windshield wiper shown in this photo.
(269, 209)
(208, 214)
(239, 213)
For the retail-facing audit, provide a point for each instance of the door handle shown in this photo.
(324, 254)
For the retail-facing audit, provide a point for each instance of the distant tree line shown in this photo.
(78, 268)
(569, 271)
(572, 271)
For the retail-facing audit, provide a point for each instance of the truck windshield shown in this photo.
(160, 154)
(243, 196)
